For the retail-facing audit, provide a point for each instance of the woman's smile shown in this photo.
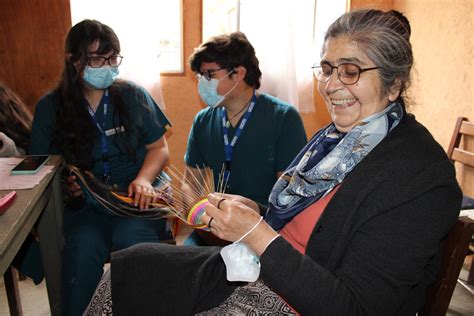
(343, 102)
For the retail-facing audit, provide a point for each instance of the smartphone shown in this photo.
(30, 164)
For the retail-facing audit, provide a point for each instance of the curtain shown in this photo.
(281, 32)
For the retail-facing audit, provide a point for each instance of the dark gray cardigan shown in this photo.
(374, 250)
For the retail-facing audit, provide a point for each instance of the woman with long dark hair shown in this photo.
(115, 130)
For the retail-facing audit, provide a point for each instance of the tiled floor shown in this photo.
(35, 300)
(462, 302)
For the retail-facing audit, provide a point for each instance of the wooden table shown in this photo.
(43, 205)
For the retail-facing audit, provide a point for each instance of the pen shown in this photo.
(6, 201)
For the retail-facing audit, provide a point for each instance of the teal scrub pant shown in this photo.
(91, 234)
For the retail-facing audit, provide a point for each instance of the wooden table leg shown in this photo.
(51, 241)
(470, 276)
(13, 294)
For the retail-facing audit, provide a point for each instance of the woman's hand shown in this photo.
(8, 147)
(231, 219)
(143, 192)
(73, 189)
(141, 188)
(241, 199)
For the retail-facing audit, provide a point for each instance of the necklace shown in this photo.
(227, 124)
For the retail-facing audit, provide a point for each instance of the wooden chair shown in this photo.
(13, 294)
(455, 153)
(463, 130)
(453, 253)
(456, 245)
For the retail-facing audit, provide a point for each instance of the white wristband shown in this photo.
(272, 240)
(251, 230)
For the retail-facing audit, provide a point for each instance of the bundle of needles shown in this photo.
(118, 203)
(188, 205)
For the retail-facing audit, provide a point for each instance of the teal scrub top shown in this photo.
(271, 138)
(147, 122)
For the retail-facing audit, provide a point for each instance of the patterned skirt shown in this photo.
(101, 302)
(251, 299)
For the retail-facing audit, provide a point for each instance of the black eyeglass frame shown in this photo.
(318, 66)
(208, 73)
(105, 60)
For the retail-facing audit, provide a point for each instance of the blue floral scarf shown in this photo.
(324, 163)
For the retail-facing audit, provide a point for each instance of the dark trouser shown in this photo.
(28, 260)
(160, 279)
(90, 236)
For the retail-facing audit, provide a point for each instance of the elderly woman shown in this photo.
(355, 223)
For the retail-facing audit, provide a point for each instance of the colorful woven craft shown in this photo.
(195, 213)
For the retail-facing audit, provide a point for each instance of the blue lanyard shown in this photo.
(103, 138)
(229, 147)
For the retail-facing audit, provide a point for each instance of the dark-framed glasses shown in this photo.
(208, 73)
(99, 61)
(348, 73)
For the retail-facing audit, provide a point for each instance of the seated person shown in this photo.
(261, 134)
(15, 124)
(355, 223)
(15, 131)
(112, 128)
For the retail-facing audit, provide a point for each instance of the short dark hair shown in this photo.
(229, 51)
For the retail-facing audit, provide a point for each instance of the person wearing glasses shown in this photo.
(112, 128)
(355, 223)
(245, 136)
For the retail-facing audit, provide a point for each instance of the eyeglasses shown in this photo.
(348, 73)
(208, 73)
(99, 61)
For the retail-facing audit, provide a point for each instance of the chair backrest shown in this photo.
(453, 253)
(455, 153)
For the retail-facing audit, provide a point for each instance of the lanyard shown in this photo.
(103, 137)
(229, 147)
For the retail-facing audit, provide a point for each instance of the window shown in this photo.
(219, 17)
(150, 32)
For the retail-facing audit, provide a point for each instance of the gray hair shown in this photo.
(385, 38)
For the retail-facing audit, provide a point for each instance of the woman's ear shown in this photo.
(395, 90)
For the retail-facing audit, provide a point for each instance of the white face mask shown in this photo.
(207, 90)
(241, 263)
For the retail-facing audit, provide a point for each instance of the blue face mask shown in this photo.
(100, 78)
(207, 90)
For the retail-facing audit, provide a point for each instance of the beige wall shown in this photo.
(443, 86)
(373, 4)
